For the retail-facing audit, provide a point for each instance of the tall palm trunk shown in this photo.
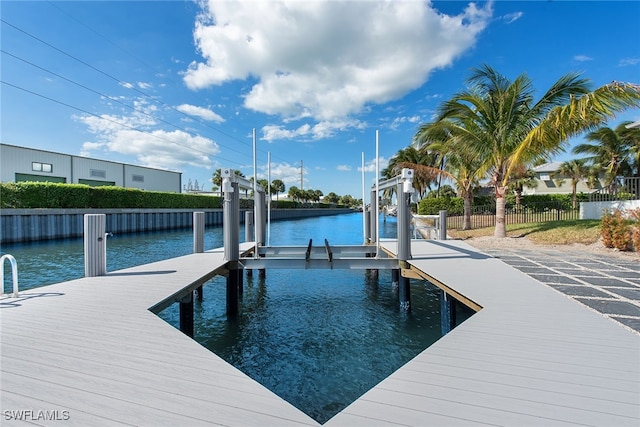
(466, 217)
(501, 227)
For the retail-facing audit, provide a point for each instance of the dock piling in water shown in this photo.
(447, 312)
(186, 315)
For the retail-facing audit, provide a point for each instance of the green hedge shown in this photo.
(34, 195)
(432, 206)
(31, 195)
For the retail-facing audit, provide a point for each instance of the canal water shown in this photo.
(317, 338)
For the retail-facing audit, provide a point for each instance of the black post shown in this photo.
(232, 292)
(186, 315)
(395, 278)
(404, 293)
(447, 312)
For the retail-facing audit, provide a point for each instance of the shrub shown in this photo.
(616, 231)
(432, 206)
(634, 215)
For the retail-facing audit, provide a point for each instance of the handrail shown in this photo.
(14, 273)
(622, 188)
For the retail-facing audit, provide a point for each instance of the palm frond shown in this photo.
(581, 114)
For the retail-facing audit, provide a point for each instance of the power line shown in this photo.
(112, 121)
(133, 108)
(127, 85)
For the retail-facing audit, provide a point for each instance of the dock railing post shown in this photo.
(198, 232)
(442, 224)
(95, 248)
(248, 226)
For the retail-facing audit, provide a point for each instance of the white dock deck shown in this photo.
(91, 347)
(531, 356)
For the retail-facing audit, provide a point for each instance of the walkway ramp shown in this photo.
(530, 357)
(92, 348)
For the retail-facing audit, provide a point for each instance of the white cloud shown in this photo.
(628, 61)
(370, 166)
(344, 168)
(582, 58)
(138, 135)
(144, 85)
(404, 119)
(289, 174)
(512, 17)
(323, 129)
(327, 59)
(203, 113)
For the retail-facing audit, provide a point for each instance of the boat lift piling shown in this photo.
(231, 184)
(198, 242)
(403, 185)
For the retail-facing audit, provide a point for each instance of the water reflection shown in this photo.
(318, 339)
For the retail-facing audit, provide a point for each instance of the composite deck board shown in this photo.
(92, 347)
(531, 356)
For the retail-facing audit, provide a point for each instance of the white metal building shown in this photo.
(28, 164)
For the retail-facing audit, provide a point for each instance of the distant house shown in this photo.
(19, 164)
(549, 182)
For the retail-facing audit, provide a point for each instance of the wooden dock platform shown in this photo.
(90, 352)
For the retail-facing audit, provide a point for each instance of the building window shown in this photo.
(98, 173)
(42, 167)
(137, 178)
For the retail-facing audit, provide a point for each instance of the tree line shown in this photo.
(294, 193)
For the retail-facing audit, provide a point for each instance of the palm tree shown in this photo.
(521, 177)
(294, 193)
(500, 121)
(277, 186)
(610, 150)
(576, 170)
(631, 134)
(462, 165)
(422, 180)
(217, 178)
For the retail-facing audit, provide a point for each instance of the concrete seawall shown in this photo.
(26, 225)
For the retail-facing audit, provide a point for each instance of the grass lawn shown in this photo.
(584, 231)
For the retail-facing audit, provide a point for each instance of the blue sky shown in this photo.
(180, 85)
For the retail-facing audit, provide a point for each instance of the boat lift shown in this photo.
(325, 256)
